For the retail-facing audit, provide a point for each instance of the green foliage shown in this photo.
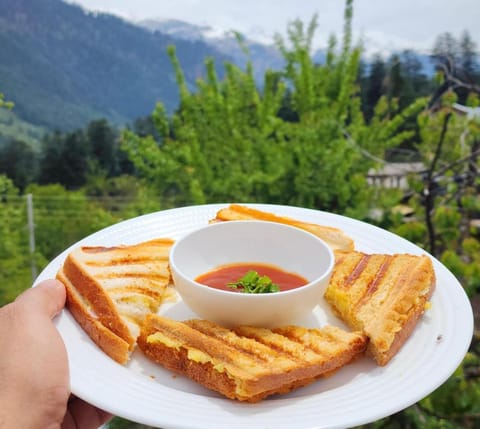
(4, 103)
(117, 423)
(63, 217)
(308, 137)
(12, 127)
(65, 159)
(227, 141)
(72, 158)
(225, 130)
(448, 190)
(373, 87)
(444, 201)
(19, 161)
(458, 398)
(252, 282)
(123, 196)
(103, 144)
(15, 274)
(465, 265)
(415, 232)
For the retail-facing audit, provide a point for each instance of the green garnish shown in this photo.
(252, 282)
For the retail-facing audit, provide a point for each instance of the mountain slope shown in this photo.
(263, 56)
(63, 67)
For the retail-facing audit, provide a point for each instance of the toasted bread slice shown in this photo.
(334, 237)
(247, 363)
(111, 289)
(382, 295)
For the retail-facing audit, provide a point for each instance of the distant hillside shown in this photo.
(13, 128)
(63, 67)
(263, 56)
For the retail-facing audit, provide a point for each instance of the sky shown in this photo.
(383, 25)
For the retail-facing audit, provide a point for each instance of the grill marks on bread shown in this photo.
(114, 293)
(247, 363)
(111, 289)
(382, 295)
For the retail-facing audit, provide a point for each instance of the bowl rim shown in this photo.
(311, 284)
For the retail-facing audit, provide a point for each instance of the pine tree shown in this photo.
(103, 144)
(375, 85)
(19, 162)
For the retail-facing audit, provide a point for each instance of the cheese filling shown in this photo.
(198, 356)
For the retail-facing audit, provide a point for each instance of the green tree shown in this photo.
(71, 158)
(406, 82)
(416, 82)
(19, 161)
(15, 259)
(227, 141)
(4, 103)
(468, 58)
(456, 65)
(227, 129)
(445, 199)
(62, 218)
(15, 274)
(445, 50)
(395, 80)
(122, 196)
(103, 143)
(374, 86)
(468, 67)
(65, 159)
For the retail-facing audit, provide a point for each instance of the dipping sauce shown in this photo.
(220, 277)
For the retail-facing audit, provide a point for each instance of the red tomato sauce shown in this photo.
(219, 277)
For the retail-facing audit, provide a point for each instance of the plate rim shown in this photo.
(454, 287)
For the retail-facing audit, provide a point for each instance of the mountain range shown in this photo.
(64, 66)
(263, 56)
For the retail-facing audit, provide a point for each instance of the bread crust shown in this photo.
(109, 291)
(113, 345)
(247, 363)
(334, 237)
(383, 295)
(100, 302)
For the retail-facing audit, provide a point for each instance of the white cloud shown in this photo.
(384, 23)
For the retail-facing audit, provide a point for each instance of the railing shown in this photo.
(394, 175)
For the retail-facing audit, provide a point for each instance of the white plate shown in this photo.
(357, 394)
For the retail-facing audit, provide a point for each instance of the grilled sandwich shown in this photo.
(383, 296)
(334, 237)
(111, 289)
(247, 363)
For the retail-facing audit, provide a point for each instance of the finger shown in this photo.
(48, 297)
(80, 414)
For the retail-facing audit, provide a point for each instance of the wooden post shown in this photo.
(31, 235)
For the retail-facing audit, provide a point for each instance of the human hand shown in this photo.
(34, 374)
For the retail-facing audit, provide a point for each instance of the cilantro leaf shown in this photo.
(252, 282)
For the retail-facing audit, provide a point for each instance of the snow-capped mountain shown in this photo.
(263, 55)
(261, 50)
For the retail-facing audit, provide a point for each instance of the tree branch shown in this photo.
(428, 194)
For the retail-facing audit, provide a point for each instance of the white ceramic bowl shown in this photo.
(292, 249)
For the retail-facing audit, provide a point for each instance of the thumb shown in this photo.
(48, 297)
